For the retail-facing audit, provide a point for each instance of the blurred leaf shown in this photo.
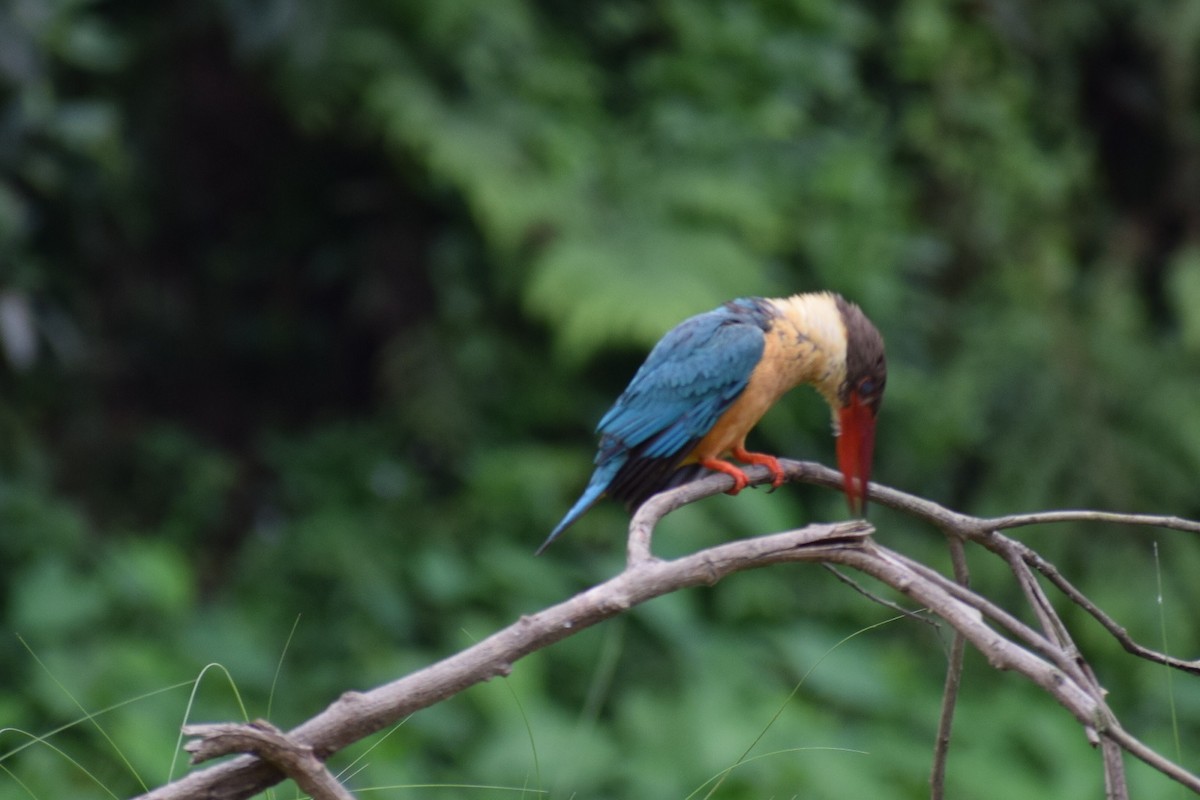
(1185, 295)
(56, 600)
(676, 275)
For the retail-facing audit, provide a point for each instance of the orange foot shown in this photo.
(740, 481)
(770, 462)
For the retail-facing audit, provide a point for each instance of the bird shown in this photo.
(710, 380)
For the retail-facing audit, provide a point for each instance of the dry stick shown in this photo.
(1047, 617)
(641, 528)
(1112, 626)
(1031, 638)
(1021, 558)
(1116, 787)
(974, 528)
(1070, 658)
(1130, 744)
(1044, 517)
(984, 531)
(1003, 655)
(264, 740)
(941, 745)
(356, 715)
(884, 565)
(917, 614)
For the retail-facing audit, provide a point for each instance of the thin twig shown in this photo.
(954, 668)
(1047, 517)
(1116, 787)
(1014, 626)
(875, 598)
(261, 738)
(1117, 631)
(1072, 660)
(887, 566)
(1136, 748)
(984, 531)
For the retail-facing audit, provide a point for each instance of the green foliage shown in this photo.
(326, 297)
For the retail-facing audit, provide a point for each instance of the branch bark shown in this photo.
(262, 739)
(356, 715)
(1047, 657)
(954, 668)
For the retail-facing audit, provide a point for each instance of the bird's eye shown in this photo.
(866, 386)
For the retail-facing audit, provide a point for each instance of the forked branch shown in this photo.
(1045, 656)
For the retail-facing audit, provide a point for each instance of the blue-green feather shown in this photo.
(688, 381)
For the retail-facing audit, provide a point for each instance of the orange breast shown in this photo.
(732, 427)
(775, 374)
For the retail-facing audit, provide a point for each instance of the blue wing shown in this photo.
(689, 379)
(687, 382)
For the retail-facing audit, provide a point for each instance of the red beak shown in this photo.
(855, 448)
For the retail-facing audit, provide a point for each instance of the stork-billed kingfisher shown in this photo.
(711, 378)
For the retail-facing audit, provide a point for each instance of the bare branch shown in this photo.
(1115, 785)
(984, 531)
(954, 667)
(1167, 767)
(1046, 517)
(1050, 660)
(264, 740)
(356, 715)
(874, 598)
(1001, 653)
(1032, 639)
(1112, 626)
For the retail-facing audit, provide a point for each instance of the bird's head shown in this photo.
(824, 340)
(858, 396)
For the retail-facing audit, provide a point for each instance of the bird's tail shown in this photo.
(596, 487)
